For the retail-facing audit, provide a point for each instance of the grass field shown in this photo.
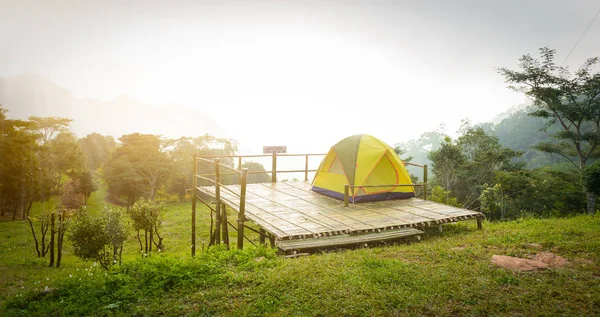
(446, 274)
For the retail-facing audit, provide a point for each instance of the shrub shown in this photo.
(95, 237)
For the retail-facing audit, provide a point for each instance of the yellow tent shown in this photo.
(361, 160)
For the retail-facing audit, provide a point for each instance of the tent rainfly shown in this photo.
(361, 160)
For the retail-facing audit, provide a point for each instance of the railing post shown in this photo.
(306, 169)
(218, 201)
(224, 229)
(425, 182)
(346, 195)
(274, 169)
(262, 236)
(242, 212)
(240, 168)
(194, 184)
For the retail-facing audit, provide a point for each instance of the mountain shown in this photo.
(31, 95)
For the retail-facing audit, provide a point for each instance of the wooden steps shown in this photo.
(346, 240)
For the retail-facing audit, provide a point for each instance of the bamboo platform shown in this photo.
(291, 211)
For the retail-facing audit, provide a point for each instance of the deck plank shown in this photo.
(290, 210)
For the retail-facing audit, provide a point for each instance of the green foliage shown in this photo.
(446, 274)
(94, 237)
(570, 99)
(465, 166)
(147, 216)
(97, 149)
(256, 178)
(440, 195)
(591, 178)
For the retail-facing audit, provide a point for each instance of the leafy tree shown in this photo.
(97, 149)
(139, 166)
(447, 164)
(85, 184)
(47, 127)
(147, 217)
(591, 178)
(19, 186)
(256, 178)
(99, 239)
(70, 197)
(570, 99)
(465, 166)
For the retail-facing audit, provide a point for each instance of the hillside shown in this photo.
(445, 274)
(29, 94)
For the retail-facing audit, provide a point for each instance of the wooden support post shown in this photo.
(274, 169)
(306, 169)
(262, 236)
(240, 168)
(479, 223)
(272, 241)
(242, 212)
(194, 184)
(218, 201)
(224, 229)
(346, 195)
(425, 182)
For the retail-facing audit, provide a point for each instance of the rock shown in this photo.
(518, 264)
(551, 259)
(259, 259)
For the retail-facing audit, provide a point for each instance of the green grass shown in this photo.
(445, 274)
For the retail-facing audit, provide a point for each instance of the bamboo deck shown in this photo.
(290, 210)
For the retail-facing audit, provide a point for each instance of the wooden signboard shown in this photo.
(275, 149)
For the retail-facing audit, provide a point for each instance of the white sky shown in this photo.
(302, 74)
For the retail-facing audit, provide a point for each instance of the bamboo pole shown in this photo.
(224, 229)
(262, 236)
(195, 185)
(274, 169)
(346, 187)
(239, 168)
(218, 201)
(306, 169)
(242, 212)
(425, 182)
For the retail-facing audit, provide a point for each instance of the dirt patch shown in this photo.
(540, 261)
(518, 264)
(551, 259)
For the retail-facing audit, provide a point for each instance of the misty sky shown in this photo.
(303, 74)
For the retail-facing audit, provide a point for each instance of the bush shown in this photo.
(95, 237)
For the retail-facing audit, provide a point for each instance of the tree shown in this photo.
(85, 184)
(147, 216)
(47, 127)
(570, 99)
(97, 149)
(447, 163)
(139, 166)
(256, 178)
(19, 165)
(591, 178)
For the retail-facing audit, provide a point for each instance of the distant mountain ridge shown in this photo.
(29, 94)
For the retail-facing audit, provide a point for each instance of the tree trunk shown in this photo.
(52, 233)
(591, 203)
(37, 248)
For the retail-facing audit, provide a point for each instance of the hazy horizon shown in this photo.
(302, 75)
